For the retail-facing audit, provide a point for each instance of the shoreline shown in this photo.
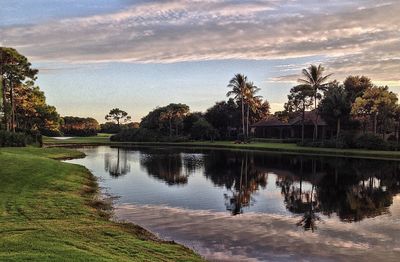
(74, 214)
(281, 148)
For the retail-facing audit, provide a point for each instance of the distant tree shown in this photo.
(378, 104)
(225, 117)
(253, 102)
(259, 110)
(201, 130)
(189, 121)
(239, 87)
(355, 86)
(335, 107)
(164, 119)
(174, 114)
(118, 116)
(79, 126)
(314, 77)
(299, 100)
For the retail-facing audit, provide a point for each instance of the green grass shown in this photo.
(103, 139)
(49, 212)
(99, 139)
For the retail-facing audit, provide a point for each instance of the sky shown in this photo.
(94, 55)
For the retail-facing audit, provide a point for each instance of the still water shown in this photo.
(256, 206)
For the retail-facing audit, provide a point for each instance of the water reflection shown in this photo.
(351, 189)
(117, 166)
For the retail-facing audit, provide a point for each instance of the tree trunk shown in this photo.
(302, 124)
(338, 128)
(12, 120)
(247, 127)
(375, 123)
(243, 116)
(170, 127)
(5, 111)
(316, 117)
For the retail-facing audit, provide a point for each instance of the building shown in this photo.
(274, 128)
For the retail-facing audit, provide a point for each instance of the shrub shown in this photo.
(110, 128)
(51, 132)
(276, 140)
(371, 141)
(136, 135)
(13, 139)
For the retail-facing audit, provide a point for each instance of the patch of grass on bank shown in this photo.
(274, 147)
(99, 139)
(48, 212)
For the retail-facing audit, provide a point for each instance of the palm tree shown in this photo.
(238, 84)
(313, 77)
(252, 101)
(335, 105)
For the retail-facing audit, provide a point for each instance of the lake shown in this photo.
(255, 206)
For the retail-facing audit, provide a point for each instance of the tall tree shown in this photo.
(14, 70)
(377, 104)
(252, 101)
(239, 86)
(225, 117)
(314, 77)
(299, 100)
(335, 107)
(355, 86)
(118, 116)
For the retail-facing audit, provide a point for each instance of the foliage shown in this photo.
(314, 77)
(78, 126)
(203, 130)
(335, 107)
(15, 69)
(167, 120)
(118, 116)
(113, 128)
(377, 104)
(12, 139)
(225, 117)
(355, 86)
(189, 121)
(252, 107)
(371, 141)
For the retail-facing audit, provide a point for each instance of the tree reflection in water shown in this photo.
(172, 167)
(238, 174)
(353, 189)
(312, 187)
(119, 166)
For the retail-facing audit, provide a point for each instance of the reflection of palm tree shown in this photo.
(116, 169)
(310, 217)
(248, 182)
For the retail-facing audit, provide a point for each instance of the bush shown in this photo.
(136, 135)
(110, 128)
(34, 137)
(51, 133)
(275, 140)
(371, 141)
(13, 139)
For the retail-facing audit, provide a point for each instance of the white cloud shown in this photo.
(354, 36)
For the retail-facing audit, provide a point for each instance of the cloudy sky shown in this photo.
(97, 54)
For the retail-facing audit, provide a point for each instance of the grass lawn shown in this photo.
(103, 139)
(49, 212)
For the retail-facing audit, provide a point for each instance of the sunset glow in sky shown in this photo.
(97, 54)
